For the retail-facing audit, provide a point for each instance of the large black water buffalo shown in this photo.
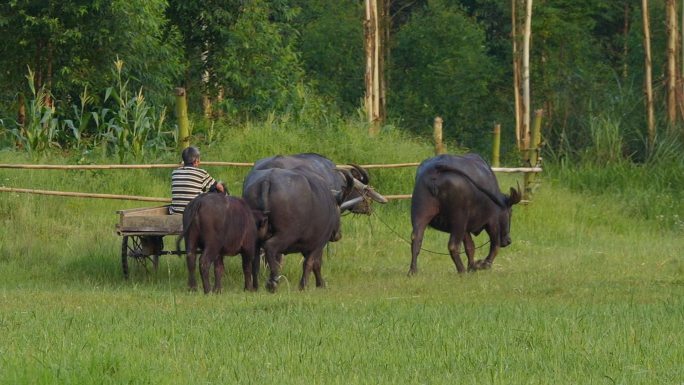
(303, 215)
(358, 201)
(460, 195)
(221, 225)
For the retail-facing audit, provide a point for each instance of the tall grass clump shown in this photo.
(651, 189)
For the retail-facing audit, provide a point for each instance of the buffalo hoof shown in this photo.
(412, 272)
(483, 264)
(271, 286)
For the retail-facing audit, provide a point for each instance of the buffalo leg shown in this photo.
(191, 260)
(247, 262)
(307, 266)
(454, 244)
(255, 261)
(493, 251)
(469, 246)
(219, 268)
(274, 267)
(205, 265)
(416, 243)
(421, 215)
(318, 261)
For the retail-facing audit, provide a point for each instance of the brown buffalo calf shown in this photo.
(221, 225)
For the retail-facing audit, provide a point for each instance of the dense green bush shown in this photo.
(439, 67)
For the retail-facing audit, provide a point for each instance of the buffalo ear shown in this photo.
(359, 173)
(515, 196)
(349, 179)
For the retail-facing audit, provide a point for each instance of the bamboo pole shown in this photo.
(516, 73)
(648, 81)
(113, 166)
(132, 197)
(440, 148)
(376, 71)
(182, 116)
(536, 137)
(372, 48)
(383, 55)
(84, 195)
(233, 164)
(671, 62)
(533, 154)
(496, 145)
(526, 75)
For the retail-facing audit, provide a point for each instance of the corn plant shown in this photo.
(39, 131)
(79, 124)
(134, 125)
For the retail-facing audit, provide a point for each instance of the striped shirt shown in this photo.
(186, 183)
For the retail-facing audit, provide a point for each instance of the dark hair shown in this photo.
(190, 155)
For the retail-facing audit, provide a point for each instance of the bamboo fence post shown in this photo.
(182, 116)
(496, 145)
(648, 81)
(671, 15)
(440, 148)
(373, 71)
(527, 33)
(532, 153)
(516, 74)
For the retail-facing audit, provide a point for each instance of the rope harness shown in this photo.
(409, 242)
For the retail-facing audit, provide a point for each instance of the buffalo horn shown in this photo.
(372, 193)
(350, 203)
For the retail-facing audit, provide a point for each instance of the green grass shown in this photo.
(588, 293)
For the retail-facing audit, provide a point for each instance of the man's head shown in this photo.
(190, 156)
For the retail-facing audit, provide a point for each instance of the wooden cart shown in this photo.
(143, 231)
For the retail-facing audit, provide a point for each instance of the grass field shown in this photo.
(586, 294)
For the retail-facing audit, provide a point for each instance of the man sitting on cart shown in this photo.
(189, 180)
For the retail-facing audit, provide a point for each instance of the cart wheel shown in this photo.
(142, 248)
(124, 255)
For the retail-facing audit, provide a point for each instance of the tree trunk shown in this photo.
(526, 75)
(680, 76)
(206, 76)
(648, 82)
(516, 74)
(383, 52)
(671, 12)
(182, 116)
(373, 71)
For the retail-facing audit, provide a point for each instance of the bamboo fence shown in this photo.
(227, 164)
(167, 200)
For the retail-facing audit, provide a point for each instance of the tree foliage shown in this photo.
(260, 68)
(331, 46)
(258, 58)
(72, 44)
(439, 67)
